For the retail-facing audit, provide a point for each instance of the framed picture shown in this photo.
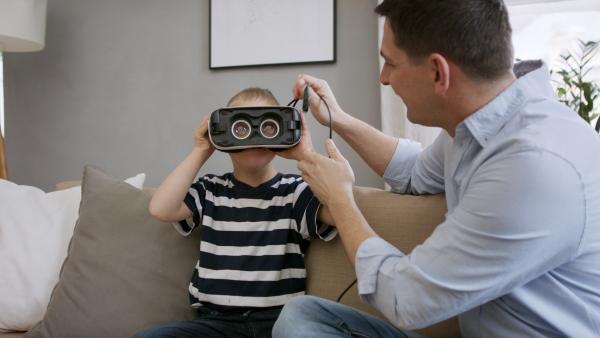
(247, 33)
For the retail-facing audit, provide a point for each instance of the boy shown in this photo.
(256, 225)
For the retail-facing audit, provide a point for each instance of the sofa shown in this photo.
(126, 271)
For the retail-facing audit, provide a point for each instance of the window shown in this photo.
(545, 30)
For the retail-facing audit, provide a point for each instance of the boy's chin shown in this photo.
(254, 153)
(253, 158)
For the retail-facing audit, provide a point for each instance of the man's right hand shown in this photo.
(318, 87)
(373, 146)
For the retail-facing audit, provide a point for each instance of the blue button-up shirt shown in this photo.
(519, 251)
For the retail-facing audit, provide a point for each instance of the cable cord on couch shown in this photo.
(346, 290)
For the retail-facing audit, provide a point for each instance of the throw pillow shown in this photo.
(125, 271)
(35, 229)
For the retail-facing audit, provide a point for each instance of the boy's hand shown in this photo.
(201, 139)
(305, 143)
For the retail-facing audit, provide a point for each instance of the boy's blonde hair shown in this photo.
(253, 94)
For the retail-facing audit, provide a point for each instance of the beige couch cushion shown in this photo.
(125, 271)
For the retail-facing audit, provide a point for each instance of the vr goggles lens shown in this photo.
(241, 129)
(237, 128)
(269, 128)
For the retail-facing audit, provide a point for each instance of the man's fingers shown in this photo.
(301, 81)
(333, 151)
(310, 156)
(303, 166)
(314, 157)
(303, 122)
(307, 161)
(298, 88)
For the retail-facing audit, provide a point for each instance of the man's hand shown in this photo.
(317, 87)
(374, 147)
(331, 179)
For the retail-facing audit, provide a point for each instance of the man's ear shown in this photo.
(441, 72)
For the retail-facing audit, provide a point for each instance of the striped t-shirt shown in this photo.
(253, 240)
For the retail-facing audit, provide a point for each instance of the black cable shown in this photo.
(330, 118)
(346, 290)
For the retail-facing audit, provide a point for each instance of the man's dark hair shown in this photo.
(474, 34)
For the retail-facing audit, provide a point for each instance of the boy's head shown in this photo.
(253, 96)
(253, 160)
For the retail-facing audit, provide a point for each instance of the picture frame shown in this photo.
(247, 33)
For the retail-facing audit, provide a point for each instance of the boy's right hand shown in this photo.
(201, 139)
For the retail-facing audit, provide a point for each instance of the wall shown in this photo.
(122, 84)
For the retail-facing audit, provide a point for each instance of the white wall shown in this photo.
(122, 84)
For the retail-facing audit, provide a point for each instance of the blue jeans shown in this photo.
(308, 316)
(212, 323)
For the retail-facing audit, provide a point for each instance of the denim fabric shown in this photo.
(309, 316)
(211, 323)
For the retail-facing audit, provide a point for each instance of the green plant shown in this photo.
(574, 90)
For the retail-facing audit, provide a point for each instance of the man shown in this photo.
(519, 251)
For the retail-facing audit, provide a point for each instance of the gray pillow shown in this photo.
(125, 271)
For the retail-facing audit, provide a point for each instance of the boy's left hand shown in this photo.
(305, 143)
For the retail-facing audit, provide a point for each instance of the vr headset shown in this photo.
(237, 128)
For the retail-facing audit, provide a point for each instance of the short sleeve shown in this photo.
(194, 200)
(306, 206)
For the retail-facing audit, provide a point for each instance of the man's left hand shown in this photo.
(331, 179)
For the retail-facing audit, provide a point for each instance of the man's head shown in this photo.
(473, 34)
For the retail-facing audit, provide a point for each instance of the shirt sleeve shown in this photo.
(519, 217)
(306, 206)
(415, 171)
(194, 200)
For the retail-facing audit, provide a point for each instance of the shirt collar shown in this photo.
(489, 120)
(265, 185)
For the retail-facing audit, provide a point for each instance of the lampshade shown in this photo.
(22, 25)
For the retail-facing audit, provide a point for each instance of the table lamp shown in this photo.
(22, 29)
